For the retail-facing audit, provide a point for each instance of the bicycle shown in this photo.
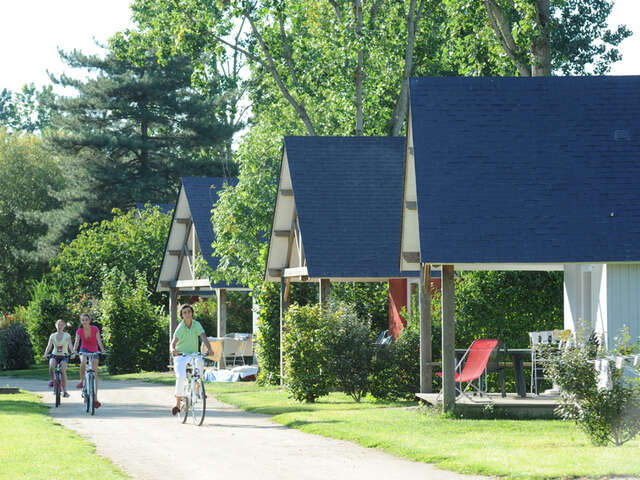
(89, 384)
(194, 397)
(57, 376)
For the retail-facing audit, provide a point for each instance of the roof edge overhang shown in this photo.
(273, 216)
(166, 243)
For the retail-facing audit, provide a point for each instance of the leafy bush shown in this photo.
(606, 415)
(16, 351)
(349, 351)
(507, 305)
(369, 299)
(205, 311)
(268, 335)
(239, 312)
(132, 242)
(395, 368)
(47, 305)
(134, 332)
(305, 353)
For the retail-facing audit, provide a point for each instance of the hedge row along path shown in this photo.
(134, 429)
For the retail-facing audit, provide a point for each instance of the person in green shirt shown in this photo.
(185, 341)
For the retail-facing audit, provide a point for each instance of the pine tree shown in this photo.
(134, 129)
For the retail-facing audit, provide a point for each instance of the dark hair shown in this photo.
(86, 315)
(183, 306)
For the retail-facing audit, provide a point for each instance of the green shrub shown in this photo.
(133, 332)
(132, 242)
(16, 352)
(267, 345)
(239, 312)
(47, 305)
(205, 311)
(349, 351)
(369, 299)
(268, 335)
(608, 416)
(305, 353)
(507, 305)
(395, 368)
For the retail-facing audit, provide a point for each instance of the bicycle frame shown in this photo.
(89, 386)
(57, 385)
(192, 392)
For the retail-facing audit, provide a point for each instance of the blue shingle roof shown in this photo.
(525, 170)
(202, 194)
(348, 195)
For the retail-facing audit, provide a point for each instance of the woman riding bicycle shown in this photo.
(185, 341)
(88, 336)
(60, 342)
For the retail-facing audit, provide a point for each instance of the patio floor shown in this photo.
(512, 406)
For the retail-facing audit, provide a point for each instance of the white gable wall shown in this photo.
(410, 240)
(283, 220)
(607, 296)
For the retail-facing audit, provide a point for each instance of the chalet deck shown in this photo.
(511, 406)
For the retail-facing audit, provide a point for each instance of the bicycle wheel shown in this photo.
(184, 408)
(85, 394)
(92, 393)
(198, 401)
(57, 385)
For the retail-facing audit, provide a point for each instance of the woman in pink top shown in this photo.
(90, 342)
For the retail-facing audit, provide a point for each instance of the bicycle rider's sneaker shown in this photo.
(51, 383)
(79, 385)
(175, 410)
(66, 395)
(96, 404)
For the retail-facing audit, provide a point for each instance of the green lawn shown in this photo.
(508, 448)
(33, 446)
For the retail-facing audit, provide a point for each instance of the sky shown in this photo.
(32, 30)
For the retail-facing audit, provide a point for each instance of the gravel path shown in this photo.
(134, 429)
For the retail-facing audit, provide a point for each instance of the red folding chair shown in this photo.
(475, 361)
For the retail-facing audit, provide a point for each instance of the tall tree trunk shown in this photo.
(357, 11)
(541, 44)
(502, 28)
(400, 110)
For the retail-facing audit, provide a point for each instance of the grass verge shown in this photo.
(33, 446)
(518, 449)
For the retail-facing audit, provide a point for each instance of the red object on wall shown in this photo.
(397, 300)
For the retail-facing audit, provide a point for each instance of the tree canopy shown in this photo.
(29, 180)
(134, 129)
(132, 242)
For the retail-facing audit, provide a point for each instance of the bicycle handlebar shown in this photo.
(65, 355)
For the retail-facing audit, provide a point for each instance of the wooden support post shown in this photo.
(173, 317)
(284, 305)
(325, 293)
(448, 340)
(222, 311)
(426, 382)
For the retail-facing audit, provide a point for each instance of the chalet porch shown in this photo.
(511, 406)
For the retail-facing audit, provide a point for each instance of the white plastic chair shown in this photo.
(546, 337)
